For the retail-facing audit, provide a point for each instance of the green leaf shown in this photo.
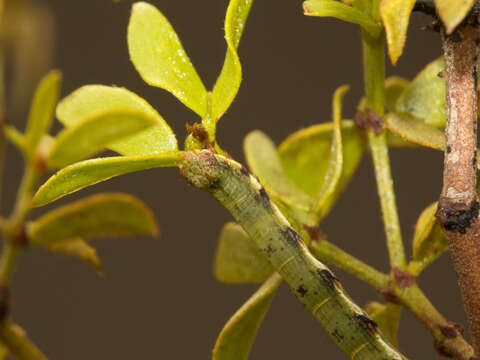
(89, 172)
(304, 156)
(93, 134)
(394, 87)
(428, 242)
(262, 158)
(452, 12)
(238, 260)
(158, 55)
(424, 98)
(332, 8)
(334, 171)
(42, 110)
(236, 338)
(93, 99)
(228, 82)
(415, 130)
(78, 248)
(395, 16)
(96, 216)
(387, 317)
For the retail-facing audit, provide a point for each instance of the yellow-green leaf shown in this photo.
(159, 57)
(452, 12)
(387, 317)
(305, 156)
(42, 109)
(96, 216)
(428, 242)
(333, 8)
(79, 249)
(92, 99)
(228, 82)
(262, 158)
(236, 338)
(89, 172)
(415, 130)
(395, 16)
(238, 260)
(424, 98)
(394, 87)
(335, 166)
(89, 136)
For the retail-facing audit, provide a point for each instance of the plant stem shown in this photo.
(8, 262)
(18, 343)
(458, 205)
(374, 72)
(326, 251)
(311, 281)
(448, 340)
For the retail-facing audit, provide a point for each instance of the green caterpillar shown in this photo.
(311, 281)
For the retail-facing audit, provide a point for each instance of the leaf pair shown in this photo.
(311, 167)
(62, 230)
(159, 57)
(396, 15)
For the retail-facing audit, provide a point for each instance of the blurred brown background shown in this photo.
(158, 299)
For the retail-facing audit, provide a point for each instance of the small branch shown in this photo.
(17, 342)
(374, 72)
(458, 206)
(326, 251)
(448, 339)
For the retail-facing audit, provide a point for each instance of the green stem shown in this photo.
(311, 281)
(448, 339)
(8, 263)
(326, 251)
(18, 343)
(374, 68)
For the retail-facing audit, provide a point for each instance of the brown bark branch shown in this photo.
(459, 202)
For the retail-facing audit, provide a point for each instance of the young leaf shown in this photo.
(92, 99)
(158, 55)
(236, 338)
(387, 317)
(228, 82)
(395, 16)
(428, 242)
(78, 248)
(262, 158)
(452, 12)
(95, 216)
(304, 156)
(93, 134)
(424, 98)
(238, 260)
(42, 109)
(415, 130)
(334, 171)
(332, 8)
(394, 87)
(89, 172)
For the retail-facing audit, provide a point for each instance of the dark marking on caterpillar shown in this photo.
(329, 278)
(264, 196)
(366, 322)
(269, 250)
(244, 171)
(449, 149)
(337, 335)
(292, 236)
(302, 291)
